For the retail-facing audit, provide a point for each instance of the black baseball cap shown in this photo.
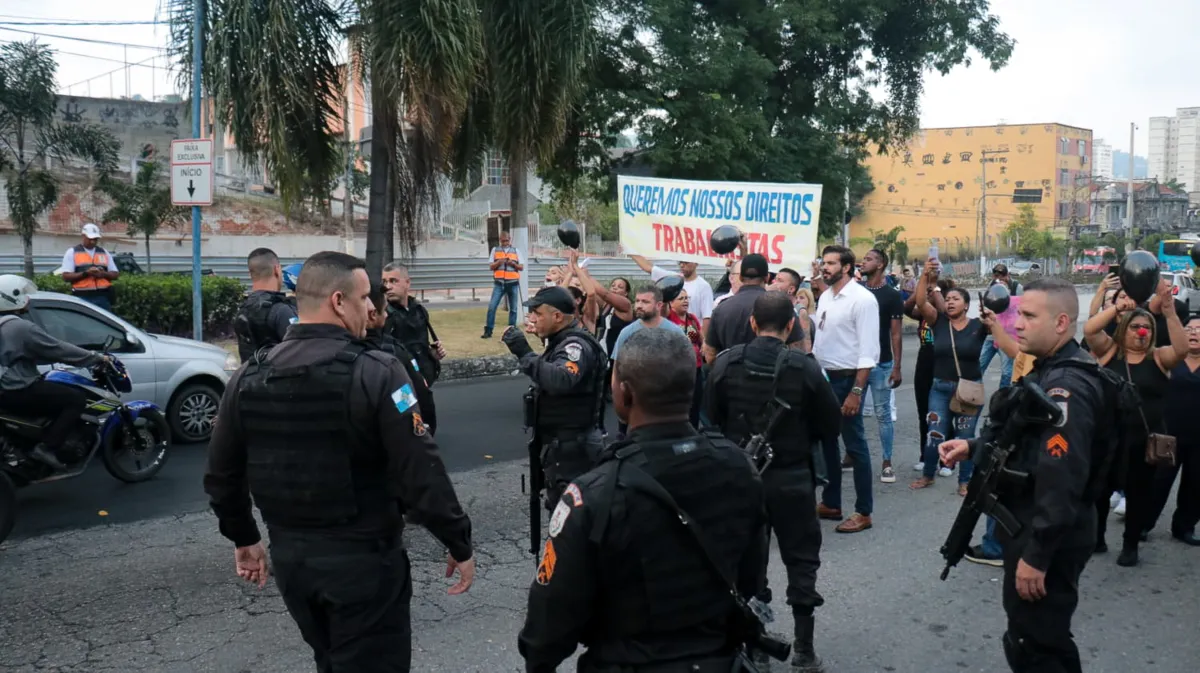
(555, 297)
(1000, 269)
(754, 266)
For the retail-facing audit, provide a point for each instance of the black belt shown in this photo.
(321, 545)
(841, 373)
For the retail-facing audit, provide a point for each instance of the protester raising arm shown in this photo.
(927, 310)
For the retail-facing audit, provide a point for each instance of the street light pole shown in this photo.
(197, 59)
(983, 210)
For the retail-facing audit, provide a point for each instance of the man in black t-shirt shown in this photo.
(730, 324)
(886, 374)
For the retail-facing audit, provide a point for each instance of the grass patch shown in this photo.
(459, 330)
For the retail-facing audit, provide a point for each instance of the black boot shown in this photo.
(804, 659)
(43, 454)
(1128, 557)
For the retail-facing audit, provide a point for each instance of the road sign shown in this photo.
(191, 172)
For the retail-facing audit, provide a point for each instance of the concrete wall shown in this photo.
(137, 124)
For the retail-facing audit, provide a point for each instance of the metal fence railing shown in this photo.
(428, 274)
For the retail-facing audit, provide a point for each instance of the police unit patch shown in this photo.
(576, 496)
(572, 367)
(419, 427)
(1063, 423)
(404, 398)
(558, 518)
(1059, 392)
(1057, 446)
(574, 351)
(293, 320)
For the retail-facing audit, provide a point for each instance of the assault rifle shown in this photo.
(1033, 407)
(759, 446)
(536, 476)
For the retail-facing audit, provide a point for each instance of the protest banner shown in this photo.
(672, 219)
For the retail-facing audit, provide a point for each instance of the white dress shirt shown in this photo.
(847, 328)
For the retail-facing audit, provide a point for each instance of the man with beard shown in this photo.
(847, 347)
(648, 312)
(730, 324)
(565, 400)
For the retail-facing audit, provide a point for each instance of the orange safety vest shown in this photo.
(84, 258)
(505, 273)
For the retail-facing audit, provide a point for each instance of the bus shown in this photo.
(1175, 255)
(1095, 261)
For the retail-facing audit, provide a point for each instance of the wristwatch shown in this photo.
(857, 391)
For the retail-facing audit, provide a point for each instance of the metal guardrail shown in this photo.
(428, 274)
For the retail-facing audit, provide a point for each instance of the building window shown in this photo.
(1063, 176)
(1064, 146)
(1083, 148)
(497, 170)
(1062, 211)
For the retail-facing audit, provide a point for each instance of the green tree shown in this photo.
(272, 69)
(778, 91)
(143, 206)
(889, 242)
(1115, 242)
(29, 135)
(1024, 232)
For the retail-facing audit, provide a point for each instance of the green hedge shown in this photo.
(162, 303)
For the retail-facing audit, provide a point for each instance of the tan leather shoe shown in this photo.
(855, 524)
(829, 513)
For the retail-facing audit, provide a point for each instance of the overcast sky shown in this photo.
(1098, 64)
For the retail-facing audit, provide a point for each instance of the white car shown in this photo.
(1183, 287)
(185, 378)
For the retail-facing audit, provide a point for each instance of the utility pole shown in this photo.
(983, 210)
(348, 196)
(846, 219)
(1129, 221)
(197, 58)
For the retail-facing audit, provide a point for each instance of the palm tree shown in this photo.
(537, 52)
(30, 135)
(276, 80)
(144, 206)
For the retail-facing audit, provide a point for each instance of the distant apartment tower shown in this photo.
(1102, 159)
(1175, 148)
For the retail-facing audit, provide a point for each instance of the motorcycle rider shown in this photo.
(24, 346)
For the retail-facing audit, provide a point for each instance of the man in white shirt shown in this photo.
(700, 293)
(847, 347)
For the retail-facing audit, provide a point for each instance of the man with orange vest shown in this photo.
(506, 282)
(90, 269)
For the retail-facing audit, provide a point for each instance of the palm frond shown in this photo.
(29, 195)
(271, 69)
(89, 142)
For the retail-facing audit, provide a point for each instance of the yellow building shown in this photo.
(933, 186)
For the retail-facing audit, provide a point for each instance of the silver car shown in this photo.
(185, 378)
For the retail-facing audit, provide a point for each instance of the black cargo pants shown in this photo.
(350, 600)
(792, 512)
(1039, 639)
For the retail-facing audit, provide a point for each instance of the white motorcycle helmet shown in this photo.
(14, 292)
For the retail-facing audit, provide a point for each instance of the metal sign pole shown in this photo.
(197, 57)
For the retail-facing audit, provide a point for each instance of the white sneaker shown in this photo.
(1119, 510)
(919, 467)
(1114, 500)
(945, 472)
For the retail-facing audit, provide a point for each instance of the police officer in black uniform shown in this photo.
(568, 387)
(408, 323)
(740, 400)
(325, 433)
(1068, 464)
(619, 572)
(385, 342)
(265, 315)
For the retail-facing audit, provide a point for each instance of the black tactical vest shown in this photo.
(579, 410)
(749, 379)
(252, 324)
(678, 590)
(308, 467)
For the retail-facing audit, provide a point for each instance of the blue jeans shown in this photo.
(881, 394)
(855, 438)
(100, 299)
(990, 546)
(989, 351)
(513, 290)
(944, 425)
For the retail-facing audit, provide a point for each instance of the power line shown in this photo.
(84, 39)
(81, 23)
(101, 58)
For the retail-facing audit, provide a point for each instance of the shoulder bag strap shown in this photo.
(953, 348)
(1129, 375)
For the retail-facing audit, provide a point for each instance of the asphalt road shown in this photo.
(479, 423)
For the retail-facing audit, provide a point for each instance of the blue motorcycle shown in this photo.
(132, 438)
